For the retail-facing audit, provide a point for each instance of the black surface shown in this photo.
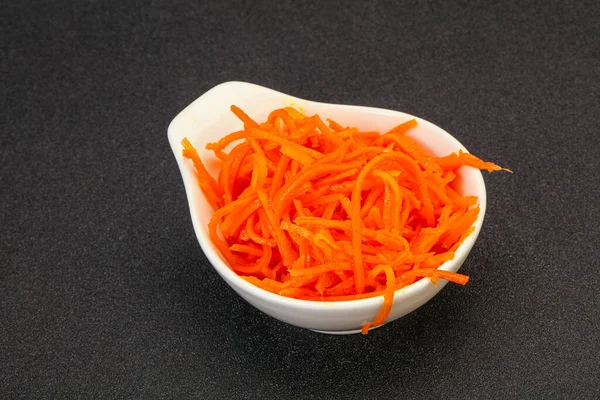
(104, 291)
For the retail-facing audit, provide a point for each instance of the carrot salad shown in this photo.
(315, 210)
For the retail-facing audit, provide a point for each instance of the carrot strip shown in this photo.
(335, 126)
(227, 140)
(438, 273)
(207, 183)
(297, 155)
(321, 269)
(243, 248)
(330, 209)
(347, 205)
(231, 168)
(278, 176)
(337, 177)
(216, 219)
(285, 117)
(265, 258)
(243, 117)
(376, 217)
(296, 292)
(370, 200)
(260, 134)
(388, 298)
(233, 221)
(396, 202)
(282, 241)
(259, 171)
(403, 127)
(266, 284)
(301, 231)
(324, 199)
(294, 113)
(454, 161)
(252, 235)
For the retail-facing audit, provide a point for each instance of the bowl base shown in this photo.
(350, 332)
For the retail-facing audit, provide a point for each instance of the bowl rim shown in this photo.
(232, 278)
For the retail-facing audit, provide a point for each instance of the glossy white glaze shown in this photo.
(208, 119)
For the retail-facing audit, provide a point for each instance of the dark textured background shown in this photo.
(104, 291)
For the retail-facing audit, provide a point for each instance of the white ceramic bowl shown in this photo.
(208, 119)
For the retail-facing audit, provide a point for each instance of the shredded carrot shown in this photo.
(207, 183)
(453, 161)
(323, 212)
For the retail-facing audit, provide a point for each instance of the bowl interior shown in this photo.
(208, 119)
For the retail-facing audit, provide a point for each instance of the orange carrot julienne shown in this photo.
(243, 117)
(454, 160)
(388, 298)
(323, 212)
(207, 183)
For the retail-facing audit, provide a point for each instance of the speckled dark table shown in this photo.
(104, 291)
